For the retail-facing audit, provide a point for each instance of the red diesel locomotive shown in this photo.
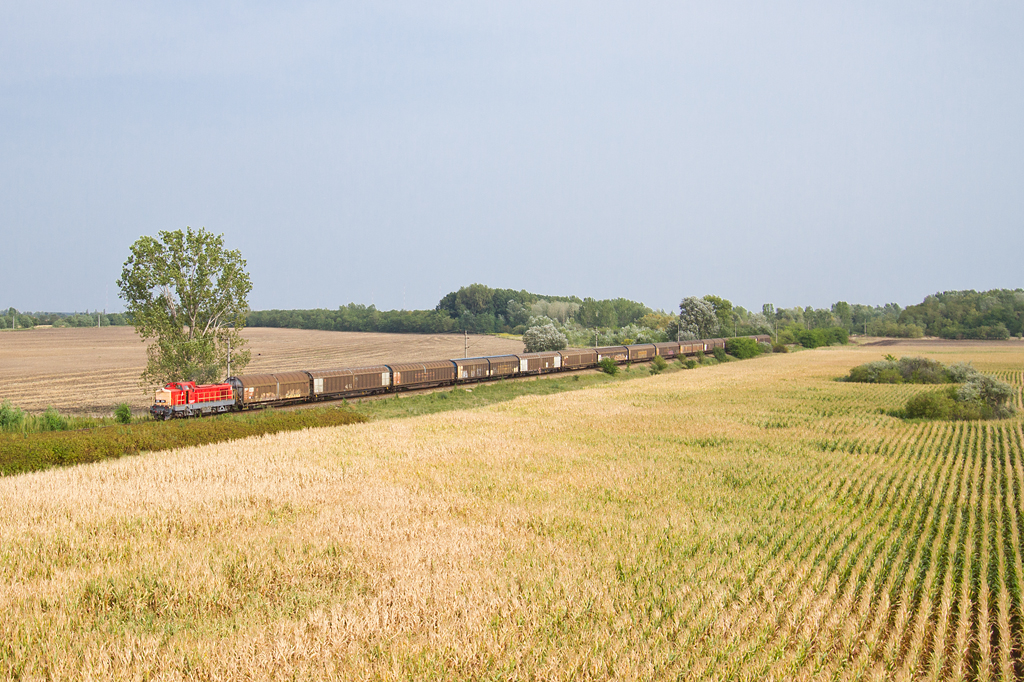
(186, 399)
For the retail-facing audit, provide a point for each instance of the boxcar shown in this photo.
(667, 349)
(420, 374)
(504, 365)
(472, 369)
(691, 347)
(329, 383)
(641, 351)
(577, 358)
(616, 353)
(537, 363)
(257, 389)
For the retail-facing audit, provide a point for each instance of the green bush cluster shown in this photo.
(609, 366)
(720, 355)
(913, 370)
(15, 420)
(814, 338)
(658, 365)
(123, 414)
(52, 420)
(11, 417)
(20, 453)
(743, 348)
(980, 397)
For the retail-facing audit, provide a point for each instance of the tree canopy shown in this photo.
(188, 293)
(542, 338)
(697, 319)
(994, 314)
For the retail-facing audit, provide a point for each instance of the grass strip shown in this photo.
(466, 397)
(23, 453)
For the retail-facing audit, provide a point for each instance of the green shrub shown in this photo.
(961, 372)
(970, 412)
(981, 397)
(823, 336)
(989, 393)
(836, 336)
(543, 338)
(123, 414)
(658, 365)
(868, 372)
(609, 367)
(700, 356)
(690, 363)
(889, 376)
(720, 355)
(52, 420)
(932, 405)
(780, 348)
(742, 348)
(922, 371)
(11, 417)
(916, 370)
(811, 338)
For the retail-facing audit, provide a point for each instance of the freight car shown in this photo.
(251, 391)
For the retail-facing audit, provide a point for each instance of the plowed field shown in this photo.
(89, 371)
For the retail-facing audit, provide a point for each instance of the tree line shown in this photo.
(994, 314)
(13, 319)
(475, 308)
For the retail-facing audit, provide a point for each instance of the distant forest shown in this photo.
(996, 314)
(13, 319)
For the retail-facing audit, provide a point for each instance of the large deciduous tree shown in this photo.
(542, 338)
(697, 319)
(188, 293)
(723, 311)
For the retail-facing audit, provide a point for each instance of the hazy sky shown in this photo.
(787, 152)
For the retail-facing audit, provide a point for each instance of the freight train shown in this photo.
(250, 391)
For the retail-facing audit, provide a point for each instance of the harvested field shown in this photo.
(89, 371)
(752, 520)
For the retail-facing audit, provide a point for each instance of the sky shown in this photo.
(794, 153)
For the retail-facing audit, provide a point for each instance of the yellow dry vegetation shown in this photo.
(752, 520)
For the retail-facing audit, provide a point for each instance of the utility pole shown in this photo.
(466, 332)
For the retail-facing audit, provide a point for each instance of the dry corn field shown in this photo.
(89, 371)
(753, 520)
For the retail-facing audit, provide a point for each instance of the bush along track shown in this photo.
(22, 453)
